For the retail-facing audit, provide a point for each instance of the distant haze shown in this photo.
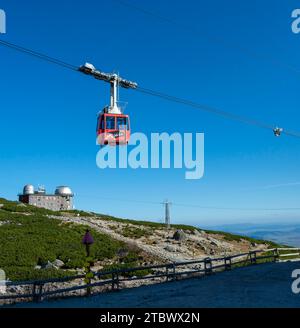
(287, 234)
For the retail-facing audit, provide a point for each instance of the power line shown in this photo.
(219, 112)
(238, 208)
(216, 208)
(171, 98)
(39, 55)
(205, 108)
(247, 51)
(120, 200)
(291, 133)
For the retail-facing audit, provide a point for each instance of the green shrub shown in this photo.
(114, 267)
(77, 213)
(33, 240)
(17, 207)
(21, 273)
(134, 232)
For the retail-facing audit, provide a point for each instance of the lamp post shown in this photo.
(88, 240)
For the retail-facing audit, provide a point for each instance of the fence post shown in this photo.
(276, 254)
(37, 291)
(34, 296)
(88, 278)
(228, 263)
(113, 281)
(253, 259)
(208, 266)
(174, 271)
(117, 281)
(167, 272)
(39, 296)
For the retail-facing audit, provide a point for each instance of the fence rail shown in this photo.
(112, 280)
(288, 253)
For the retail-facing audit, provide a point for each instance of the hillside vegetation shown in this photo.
(28, 238)
(188, 228)
(31, 238)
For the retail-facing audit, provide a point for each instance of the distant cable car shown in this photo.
(113, 127)
(277, 131)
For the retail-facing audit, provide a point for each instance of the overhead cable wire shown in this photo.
(171, 98)
(217, 208)
(237, 208)
(193, 29)
(206, 108)
(38, 55)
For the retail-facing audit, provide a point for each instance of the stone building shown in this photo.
(61, 200)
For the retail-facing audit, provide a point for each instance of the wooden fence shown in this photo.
(288, 253)
(40, 290)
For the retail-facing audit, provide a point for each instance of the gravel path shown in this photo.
(168, 252)
(103, 227)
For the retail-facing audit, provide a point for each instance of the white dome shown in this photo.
(28, 190)
(63, 191)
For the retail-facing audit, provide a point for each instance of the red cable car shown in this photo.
(113, 129)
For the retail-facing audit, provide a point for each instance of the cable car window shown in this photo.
(102, 123)
(110, 122)
(122, 123)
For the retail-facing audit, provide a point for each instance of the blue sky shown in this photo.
(48, 114)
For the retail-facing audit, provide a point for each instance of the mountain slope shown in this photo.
(33, 239)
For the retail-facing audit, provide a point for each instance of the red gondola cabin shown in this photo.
(113, 129)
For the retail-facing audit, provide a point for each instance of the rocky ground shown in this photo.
(169, 245)
(158, 244)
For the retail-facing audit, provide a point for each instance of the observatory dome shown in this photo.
(28, 190)
(63, 191)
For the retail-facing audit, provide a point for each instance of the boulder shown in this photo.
(58, 263)
(122, 252)
(170, 249)
(49, 265)
(179, 235)
(14, 289)
(202, 247)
